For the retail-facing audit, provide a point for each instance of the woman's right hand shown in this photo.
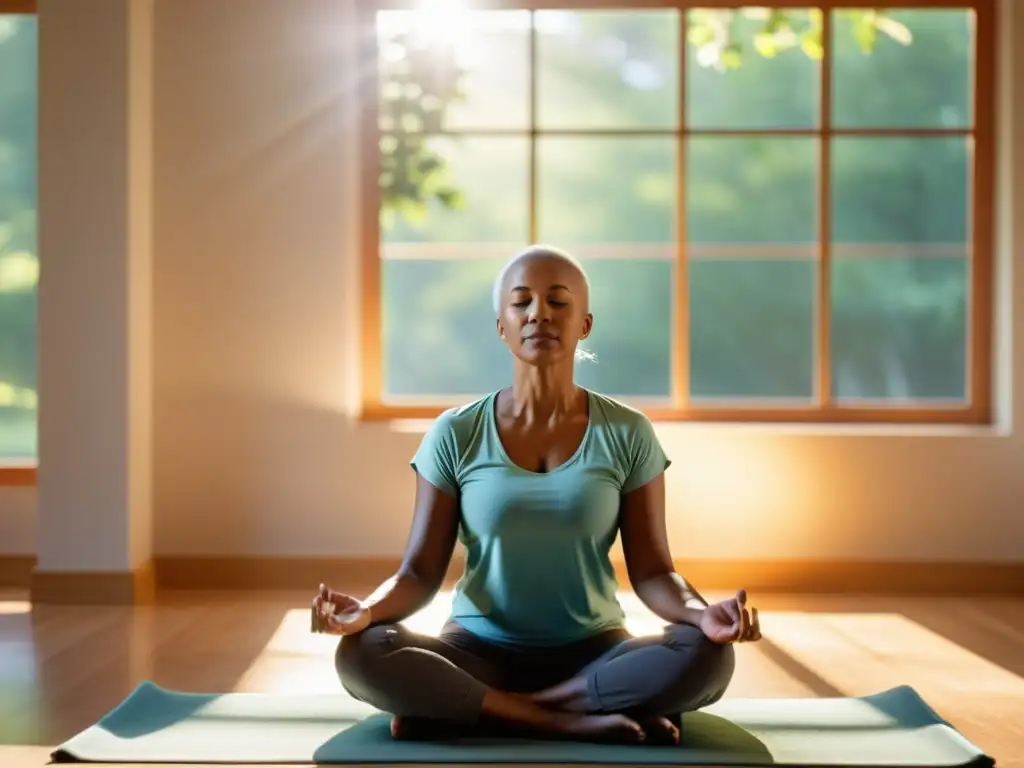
(348, 617)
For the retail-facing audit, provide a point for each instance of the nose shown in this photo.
(540, 312)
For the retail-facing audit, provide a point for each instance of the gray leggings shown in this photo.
(444, 677)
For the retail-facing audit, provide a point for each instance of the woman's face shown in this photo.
(545, 310)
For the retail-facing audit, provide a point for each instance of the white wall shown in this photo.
(255, 296)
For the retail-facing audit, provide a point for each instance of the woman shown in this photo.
(538, 480)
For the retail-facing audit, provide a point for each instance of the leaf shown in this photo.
(764, 43)
(451, 198)
(894, 29)
(701, 35)
(810, 44)
(777, 21)
(865, 32)
(429, 164)
(731, 56)
(17, 397)
(413, 212)
(19, 272)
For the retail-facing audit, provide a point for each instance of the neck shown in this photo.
(543, 394)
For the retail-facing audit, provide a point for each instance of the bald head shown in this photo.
(538, 252)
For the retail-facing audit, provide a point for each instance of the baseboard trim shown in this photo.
(136, 587)
(363, 573)
(16, 571)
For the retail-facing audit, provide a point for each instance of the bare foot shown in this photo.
(661, 731)
(605, 728)
(401, 728)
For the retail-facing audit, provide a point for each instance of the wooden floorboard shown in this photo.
(61, 669)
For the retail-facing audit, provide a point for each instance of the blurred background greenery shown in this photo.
(19, 263)
(455, 157)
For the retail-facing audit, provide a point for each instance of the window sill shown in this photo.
(973, 422)
(17, 476)
(419, 426)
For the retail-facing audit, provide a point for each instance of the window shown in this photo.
(784, 211)
(19, 263)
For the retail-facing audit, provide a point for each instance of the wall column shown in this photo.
(95, 302)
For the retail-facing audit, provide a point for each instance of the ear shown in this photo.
(588, 325)
(501, 328)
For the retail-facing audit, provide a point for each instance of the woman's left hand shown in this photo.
(730, 621)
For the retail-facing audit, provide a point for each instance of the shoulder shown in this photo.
(630, 436)
(460, 424)
(443, 450)
(620, 417)
(456, 430)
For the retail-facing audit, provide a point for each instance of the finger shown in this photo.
(342, 624)
(732, 608)
(346, 602)
(744, 621)
(753, 629)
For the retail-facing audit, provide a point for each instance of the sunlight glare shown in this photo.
(439, 27)
(862, 653)
(12, 607)
(443, 22)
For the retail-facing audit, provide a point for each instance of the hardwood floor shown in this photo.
(63, 668)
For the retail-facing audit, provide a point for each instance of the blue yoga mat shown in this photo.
(154, 725)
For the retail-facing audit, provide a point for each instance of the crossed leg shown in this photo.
(444, 680)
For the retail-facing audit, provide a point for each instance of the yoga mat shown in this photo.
(892, 728)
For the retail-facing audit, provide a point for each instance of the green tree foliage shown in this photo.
(19, 264)
(419, 82)
(899, 205)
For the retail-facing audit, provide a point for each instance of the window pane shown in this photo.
(611, 201)
(19, 266)
(752, 190)
(899, 325)
(916, 71)
(632, 303)
(900, 191)
(762, 80)
(752, 328)
(606, 190)
(476, 188)
(608, 69)
(439, 327)
(900, 225)
(461, 71)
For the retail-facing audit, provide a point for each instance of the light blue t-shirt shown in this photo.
(538, 570)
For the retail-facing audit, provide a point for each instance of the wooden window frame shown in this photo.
(977, 410)
(21, 474)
